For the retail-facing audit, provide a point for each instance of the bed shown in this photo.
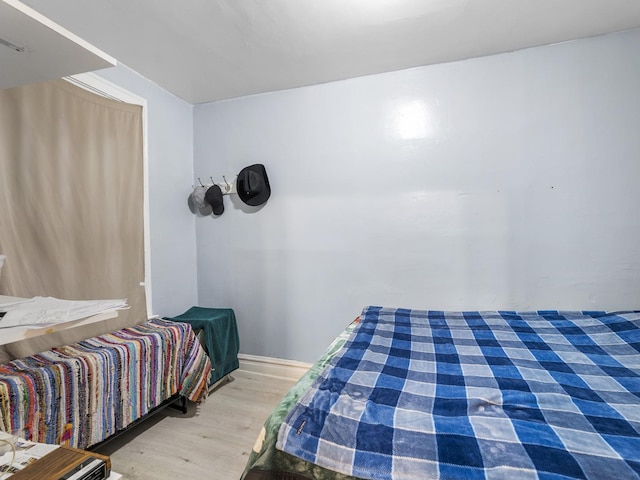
(413, 394)
(84, 393)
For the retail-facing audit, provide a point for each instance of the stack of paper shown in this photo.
(43, 311)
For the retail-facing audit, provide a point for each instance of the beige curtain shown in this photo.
(71, 197)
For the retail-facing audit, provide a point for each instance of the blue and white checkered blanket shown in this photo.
(504, 395)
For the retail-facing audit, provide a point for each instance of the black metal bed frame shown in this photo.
(177, 401)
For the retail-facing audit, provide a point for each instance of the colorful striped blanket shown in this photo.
(83, 393)
(434, 395)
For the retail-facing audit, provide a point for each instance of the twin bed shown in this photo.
(84, 393)
(410, 394)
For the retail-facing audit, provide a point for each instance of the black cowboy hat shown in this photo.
(253, 185)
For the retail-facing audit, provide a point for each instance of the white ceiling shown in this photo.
(206, 50)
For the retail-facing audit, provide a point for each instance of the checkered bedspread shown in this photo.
(509, 395)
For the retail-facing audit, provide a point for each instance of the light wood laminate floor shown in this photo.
(212, 441)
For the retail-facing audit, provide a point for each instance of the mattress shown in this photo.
(268, 463)
(431, 394)
(81, 394)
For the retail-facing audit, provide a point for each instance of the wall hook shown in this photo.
(200, 181)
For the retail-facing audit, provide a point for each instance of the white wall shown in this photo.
(172, 226)
(519, 192)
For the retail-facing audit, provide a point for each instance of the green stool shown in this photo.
(218, 335)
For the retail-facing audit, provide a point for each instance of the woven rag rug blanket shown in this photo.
(81, 394)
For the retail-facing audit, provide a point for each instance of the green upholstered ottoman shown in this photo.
(219, 337)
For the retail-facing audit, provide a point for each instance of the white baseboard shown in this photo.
(275, 367)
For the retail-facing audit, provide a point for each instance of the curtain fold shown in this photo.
(71, 197)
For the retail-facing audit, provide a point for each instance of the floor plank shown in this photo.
(212, 440)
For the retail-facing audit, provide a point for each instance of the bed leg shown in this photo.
(180, 403)
(183, 404)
